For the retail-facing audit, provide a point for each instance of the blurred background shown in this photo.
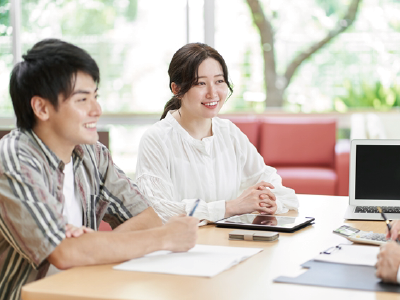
(322, 57)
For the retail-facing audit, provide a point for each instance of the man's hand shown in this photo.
(256, 198)
(394, 232)
(72, 231)
(181, 233)
(388, 262)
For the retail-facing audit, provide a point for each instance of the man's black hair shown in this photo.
(48, 70)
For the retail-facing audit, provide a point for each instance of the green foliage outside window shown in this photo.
(367, 95)
(78, 18)
(4, 17)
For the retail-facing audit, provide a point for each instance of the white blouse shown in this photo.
(174, 169)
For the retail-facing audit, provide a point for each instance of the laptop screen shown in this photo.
(377, 173)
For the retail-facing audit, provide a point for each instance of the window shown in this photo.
(6, 58)
(132, 41)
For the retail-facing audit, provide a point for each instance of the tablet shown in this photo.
(265, 222)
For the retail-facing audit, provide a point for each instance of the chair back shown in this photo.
(301, 141)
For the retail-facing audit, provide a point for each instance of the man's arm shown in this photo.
(178, 235)
(125, 199)
(147, 219)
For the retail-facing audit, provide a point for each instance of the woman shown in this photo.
(191, 153)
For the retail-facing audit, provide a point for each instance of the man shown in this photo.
(57, 183)
(388, 263)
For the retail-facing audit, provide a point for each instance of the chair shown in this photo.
(305, 154)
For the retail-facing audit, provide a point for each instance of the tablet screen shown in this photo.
(266, 220)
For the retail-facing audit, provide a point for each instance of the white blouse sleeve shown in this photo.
(153, 179)
(255, 170)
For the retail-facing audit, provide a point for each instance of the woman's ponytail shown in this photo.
(173, 104)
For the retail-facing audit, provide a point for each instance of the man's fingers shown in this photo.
(72, 231)
(77, 232)
(87, 230)
(69, 228)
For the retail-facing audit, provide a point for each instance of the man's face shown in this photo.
(74, 121)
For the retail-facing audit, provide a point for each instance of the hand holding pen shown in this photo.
(182, 231)
(393, 229)
(196, 203)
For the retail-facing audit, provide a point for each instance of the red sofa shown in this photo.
(303, 150)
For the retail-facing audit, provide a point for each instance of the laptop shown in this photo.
(374, 179)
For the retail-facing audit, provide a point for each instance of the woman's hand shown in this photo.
(271, 204)
(256, 198)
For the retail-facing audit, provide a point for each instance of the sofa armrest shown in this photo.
(342, 166)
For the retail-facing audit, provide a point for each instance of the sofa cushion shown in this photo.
(309, 180)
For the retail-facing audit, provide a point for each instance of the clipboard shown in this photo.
(342, 276)
(362, 255)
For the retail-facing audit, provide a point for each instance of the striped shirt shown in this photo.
(32, 200)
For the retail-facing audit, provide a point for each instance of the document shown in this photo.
(202, 260)
(350, 254)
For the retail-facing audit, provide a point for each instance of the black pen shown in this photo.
(194, 207)
(384, 217)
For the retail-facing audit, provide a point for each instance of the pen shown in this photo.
(384, 217)
(194, 207)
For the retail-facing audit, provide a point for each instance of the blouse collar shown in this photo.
(175, 124)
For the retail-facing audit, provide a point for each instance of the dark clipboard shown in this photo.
(342, 276)
(240, 221)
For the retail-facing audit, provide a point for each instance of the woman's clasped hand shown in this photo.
(258, 198)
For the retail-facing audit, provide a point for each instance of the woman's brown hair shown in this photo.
(183, 71)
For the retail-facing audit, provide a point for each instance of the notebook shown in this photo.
(374, 179)
(202, 260)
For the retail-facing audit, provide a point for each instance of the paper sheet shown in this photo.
(202, 260)
(352, 254)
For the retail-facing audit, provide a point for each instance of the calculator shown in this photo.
(363, 237)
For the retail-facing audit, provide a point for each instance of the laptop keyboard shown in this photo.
(373, 209)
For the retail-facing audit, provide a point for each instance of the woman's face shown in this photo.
(206, 97)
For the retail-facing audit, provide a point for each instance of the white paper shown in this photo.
(202, 260)
(352, 255)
